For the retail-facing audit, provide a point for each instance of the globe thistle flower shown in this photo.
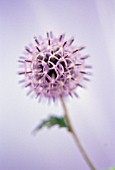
(53, 67)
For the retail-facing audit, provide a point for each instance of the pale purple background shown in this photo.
(92, 22)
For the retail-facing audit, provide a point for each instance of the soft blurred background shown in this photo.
(92, 22)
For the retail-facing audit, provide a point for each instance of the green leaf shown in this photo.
(52, 121)
(111, 168)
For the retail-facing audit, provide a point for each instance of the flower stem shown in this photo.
(88, 161)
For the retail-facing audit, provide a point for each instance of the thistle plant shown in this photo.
(54, 68)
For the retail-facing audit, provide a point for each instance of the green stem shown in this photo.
(88, 161)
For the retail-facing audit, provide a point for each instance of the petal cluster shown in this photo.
(53, 67)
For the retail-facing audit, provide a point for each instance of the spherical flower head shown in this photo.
(53, 67)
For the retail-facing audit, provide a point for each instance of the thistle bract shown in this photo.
(53, 67)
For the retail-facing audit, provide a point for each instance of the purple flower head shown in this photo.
(53, 67)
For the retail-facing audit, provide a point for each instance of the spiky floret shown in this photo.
(53, 67)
